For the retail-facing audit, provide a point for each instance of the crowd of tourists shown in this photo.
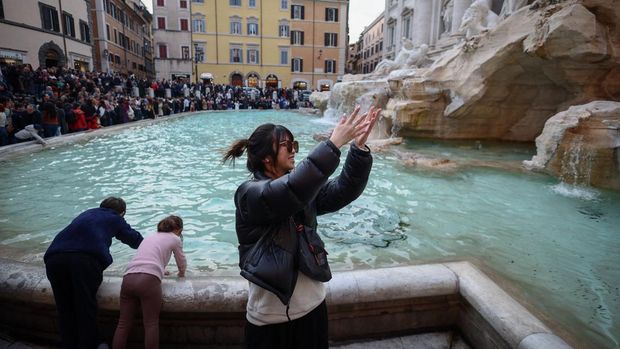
(41, 103)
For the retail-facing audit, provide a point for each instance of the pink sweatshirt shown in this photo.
(154, 254)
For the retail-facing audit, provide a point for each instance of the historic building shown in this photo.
(122, 37)
(172, 35)
(371, 46)
(319, 39)
(57, 34)
(430, 22)
(352, 59)
(242, 42)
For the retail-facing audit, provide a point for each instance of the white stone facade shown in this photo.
(176, 38)
(62, 38)
(424, 21)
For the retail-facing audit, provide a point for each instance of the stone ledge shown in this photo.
(362, 304)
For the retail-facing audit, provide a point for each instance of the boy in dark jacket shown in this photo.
(75, 262)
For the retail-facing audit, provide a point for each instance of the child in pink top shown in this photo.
(142, 281)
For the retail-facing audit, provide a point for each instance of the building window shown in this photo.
(407, 26)
(284, 56)
(297, 12)
(331, 39)
(235, 2)
(253, 56)
(252, 28)
(235, 25)
(160, 3)
(390, 36)
(330, 66)
(297, 37)
(1, 10)
(49, 18)
(117, 59)
(251, 3)
(331, 14)
(161, 23)
(283, 29)
(184, 22)
(236, 55)
(163, 51)
(199, 52)
(68, 25)
(199, 25)
(107, 31)
(185, 52)
(183, 3)
(297, 65)
(283, 4)
(84, 32)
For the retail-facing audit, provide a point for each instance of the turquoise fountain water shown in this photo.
(553, 246)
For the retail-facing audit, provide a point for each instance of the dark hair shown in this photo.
(170, 224)
(259, 146)
(114, 203)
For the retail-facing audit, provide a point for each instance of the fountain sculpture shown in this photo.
(506, 78)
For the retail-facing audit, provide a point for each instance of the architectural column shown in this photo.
(423, 20)
(457, 13)
(100, 43)
(435, 22)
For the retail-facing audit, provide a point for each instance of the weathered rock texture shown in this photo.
(582, 145)
(505, 83)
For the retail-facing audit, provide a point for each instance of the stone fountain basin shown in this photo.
(363, 304)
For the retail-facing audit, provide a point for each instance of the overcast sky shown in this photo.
(362, 12)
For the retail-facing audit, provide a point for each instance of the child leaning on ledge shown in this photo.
(142, 281)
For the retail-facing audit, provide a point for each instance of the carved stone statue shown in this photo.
(446, 15)
(417, 56)
(511, 6)
(478, 18)
(407, 57)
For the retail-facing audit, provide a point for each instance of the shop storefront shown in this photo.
(300, 85)
(253, 80)
(271, 81)
(236, 79)
(11, 57)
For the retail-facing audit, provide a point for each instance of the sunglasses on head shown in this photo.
(290, 145)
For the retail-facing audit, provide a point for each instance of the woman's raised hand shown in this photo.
(369, 122)
(354, 126)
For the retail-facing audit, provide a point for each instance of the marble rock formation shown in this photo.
(582, 145)
(504, 83)
(477, 19)
(408, 57)
(319, 100)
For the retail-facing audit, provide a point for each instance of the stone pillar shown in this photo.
(435, 22)
(457, 13)
(423, 20)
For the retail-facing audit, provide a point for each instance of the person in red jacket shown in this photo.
(79, 120)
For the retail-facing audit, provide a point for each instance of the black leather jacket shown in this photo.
(265, 205)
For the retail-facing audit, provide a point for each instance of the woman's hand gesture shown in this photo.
(354, 126)
(369, 122)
